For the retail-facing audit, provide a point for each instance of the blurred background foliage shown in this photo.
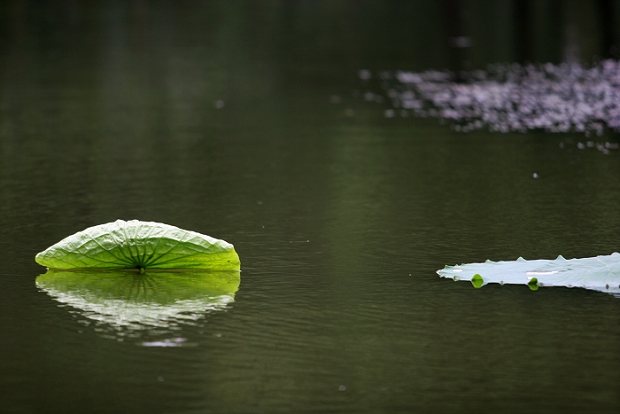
(417, 35)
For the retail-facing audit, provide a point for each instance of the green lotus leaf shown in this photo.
(601, 273)
(142, 245)
(129, 299)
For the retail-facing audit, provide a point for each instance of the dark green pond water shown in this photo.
(212, 118)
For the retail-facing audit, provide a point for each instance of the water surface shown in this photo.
(340, 217)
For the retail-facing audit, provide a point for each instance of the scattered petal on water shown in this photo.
(365, 74)
(511, 97)
(461, 42)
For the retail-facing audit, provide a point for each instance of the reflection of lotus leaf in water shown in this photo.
(601, 273)
(129, 299)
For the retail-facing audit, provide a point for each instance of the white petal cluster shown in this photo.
(511, 97)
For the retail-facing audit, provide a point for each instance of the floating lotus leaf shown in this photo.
(129, 299)
(142, 245)
(600, 273)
